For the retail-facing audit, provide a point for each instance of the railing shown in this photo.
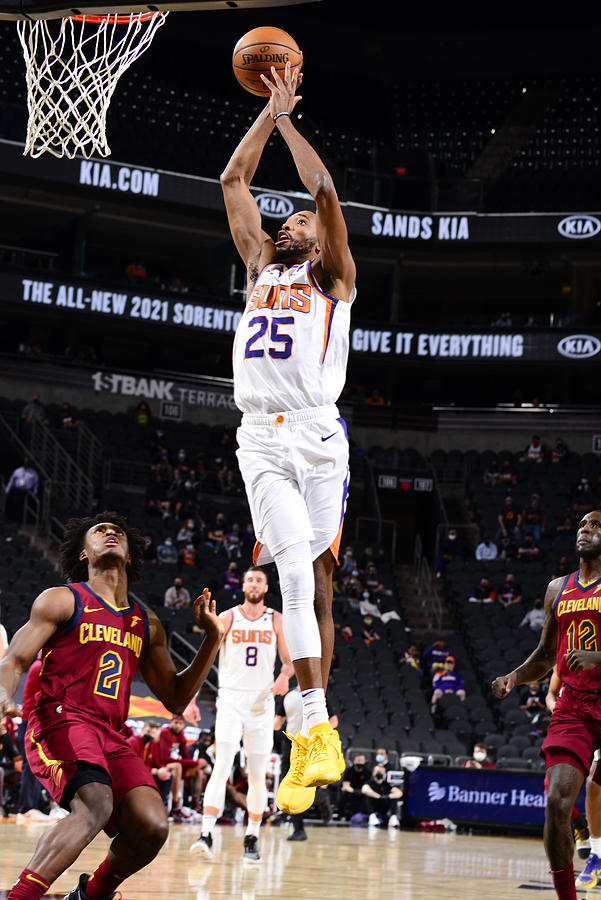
(70, 483)
(184, 652)
(425, 586)
(377, 530)
(39, 509)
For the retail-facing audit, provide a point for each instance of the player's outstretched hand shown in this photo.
(281, 684)
(582, 660)
(283, 91)
(502, 685)
(205, 614)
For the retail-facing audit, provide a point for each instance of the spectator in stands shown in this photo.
(486, 550)
(562, 568)
(559, 451)
(369, 632)
(174, 747)
(491, 475)
(186, 534)
(67, 416)
(534, 618)
(233, 542)
(507, 548)
(232, 580)
(33, 411)
(532, 700)
(382, 758)
(509, 519)
(348, 561)
(450, 549)
(368, 605)
(535, 452)
(479, 758)
(529, 550)
(167, 553)
(380, 799)
(433, 658)
(534, 517)
(483, 592)
(507, 474)
(135, 272)
(353, 779)
(375, 398)
(177, 596)
(167, 775)
(142, 414)
(186, 500)
(510, 591)
(411, 658)
(187, 555)
(447, 682)
(565, 530)
(584, 498)
(149, 549)
(23, 479)
(504, 320)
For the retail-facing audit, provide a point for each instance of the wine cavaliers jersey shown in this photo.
(291, 344)
(577, 609)
(90, 662)
(247, 654)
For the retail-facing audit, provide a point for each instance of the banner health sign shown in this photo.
(478, 795)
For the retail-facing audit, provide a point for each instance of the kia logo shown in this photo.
(274, 206)
(579, 346)
(579, 227)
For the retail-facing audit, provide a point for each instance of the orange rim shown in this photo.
(119, 20)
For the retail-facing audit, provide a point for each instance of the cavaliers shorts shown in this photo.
(59, 739)
(574, 732)
(296, 475)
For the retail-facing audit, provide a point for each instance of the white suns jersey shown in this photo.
(291, 344)
(247, 654)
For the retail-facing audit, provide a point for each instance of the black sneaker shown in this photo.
(78, 893)
(251, 849)
(299, 835)
(204, 846)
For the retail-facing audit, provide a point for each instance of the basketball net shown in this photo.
(71, 76)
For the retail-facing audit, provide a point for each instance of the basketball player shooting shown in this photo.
(93, 638)
(570, 638)
(246, 707)
(290, 354)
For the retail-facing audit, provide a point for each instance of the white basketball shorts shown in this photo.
(295, 470)
(246, 715)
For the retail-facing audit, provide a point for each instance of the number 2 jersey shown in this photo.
(90, 662)
(247, 654)
(577, 609)
(291, 344)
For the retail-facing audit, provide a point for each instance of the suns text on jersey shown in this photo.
(250, 636)
(296, 297)
(108, 634)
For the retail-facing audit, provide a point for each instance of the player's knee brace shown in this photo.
(297, 583)
(214, 794)
(256, 799)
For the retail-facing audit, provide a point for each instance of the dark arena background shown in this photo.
(466, 154)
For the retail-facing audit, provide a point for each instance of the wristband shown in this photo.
(277, 115)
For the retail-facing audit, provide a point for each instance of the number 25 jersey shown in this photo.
(291, 344)
(90, 662)
(577, 609)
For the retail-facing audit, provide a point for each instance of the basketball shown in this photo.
(260, 49)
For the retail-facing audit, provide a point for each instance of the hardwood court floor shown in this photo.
(335, 863)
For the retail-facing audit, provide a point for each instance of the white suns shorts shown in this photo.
(246, 716)
(296, 474)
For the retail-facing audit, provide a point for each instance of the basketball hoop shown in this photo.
(72, 68)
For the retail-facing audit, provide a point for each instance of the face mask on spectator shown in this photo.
(479, 755)
(380, 758)
(168, 542)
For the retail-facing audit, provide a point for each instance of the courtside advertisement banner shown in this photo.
(478, 795)
(125, 179)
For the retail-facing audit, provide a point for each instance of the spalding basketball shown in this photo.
(260, 49)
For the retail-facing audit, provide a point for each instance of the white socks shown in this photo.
(315, 711)
(596, 846)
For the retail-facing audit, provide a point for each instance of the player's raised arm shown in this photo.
(176, 689)
(542, 659)
(335, 257)
(50, 609)
(252, 243)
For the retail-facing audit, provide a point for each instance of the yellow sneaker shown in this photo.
(341, 759)
(323, 756)
(293, 796)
